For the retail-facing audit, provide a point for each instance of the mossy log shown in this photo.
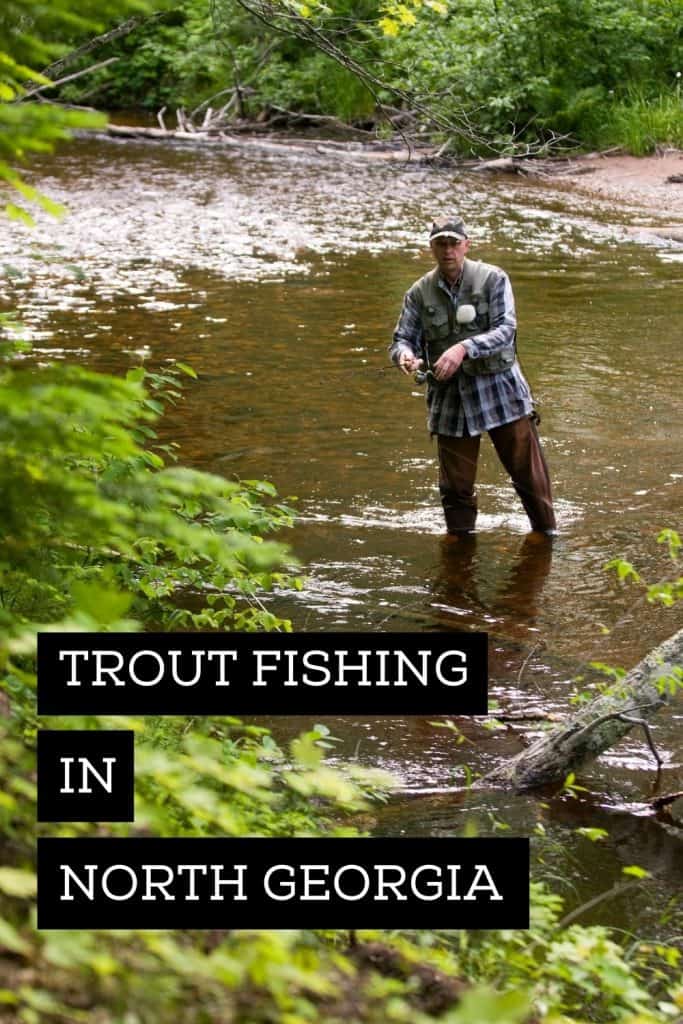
(596, 726)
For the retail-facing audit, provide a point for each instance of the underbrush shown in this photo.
(640, 124)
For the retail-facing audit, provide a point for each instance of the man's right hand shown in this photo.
(408, 363)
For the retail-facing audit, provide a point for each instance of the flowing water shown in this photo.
(279, 277)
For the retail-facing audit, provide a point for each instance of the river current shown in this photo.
(278, 276)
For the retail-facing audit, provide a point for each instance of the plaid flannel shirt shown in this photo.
(483, 401)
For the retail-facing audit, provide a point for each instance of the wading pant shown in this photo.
(519, 449)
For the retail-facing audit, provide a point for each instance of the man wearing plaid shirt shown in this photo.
(458, 327)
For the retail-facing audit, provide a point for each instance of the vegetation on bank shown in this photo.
(484, 74)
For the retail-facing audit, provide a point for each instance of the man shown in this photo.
(458, 323)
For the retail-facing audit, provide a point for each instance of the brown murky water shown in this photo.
(279, 279)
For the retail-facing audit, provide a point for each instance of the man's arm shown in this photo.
(406, 348)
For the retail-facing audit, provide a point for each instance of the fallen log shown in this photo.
(671, 232)
(532, 166)
(596, 726)
(502, 164)
(660, 802)
(372, 150)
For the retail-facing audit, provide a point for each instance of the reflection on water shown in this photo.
(463, 592)
(280, 280)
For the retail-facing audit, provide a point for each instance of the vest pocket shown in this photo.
(436, 327)
(497, 363)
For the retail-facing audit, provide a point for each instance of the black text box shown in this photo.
(85, 775)
(251, 674)
(281, 883)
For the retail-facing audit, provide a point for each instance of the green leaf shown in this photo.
(634, 871)
(673, 540)
(12, 940)
(624, 570)
(594, 834)
(15, 212)
(18, 883)
(184, 368)
(105, 604)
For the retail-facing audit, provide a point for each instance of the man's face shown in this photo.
(449, 253)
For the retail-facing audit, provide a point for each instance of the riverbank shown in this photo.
(643, 184)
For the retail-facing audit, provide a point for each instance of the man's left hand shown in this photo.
(449, 362)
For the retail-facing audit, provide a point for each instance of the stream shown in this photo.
(279, 277)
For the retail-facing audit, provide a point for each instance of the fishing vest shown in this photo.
(440, 328)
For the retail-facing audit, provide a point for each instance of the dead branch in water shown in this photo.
(660, 802)
(597, 726)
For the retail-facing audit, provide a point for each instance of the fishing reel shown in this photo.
(423, 376)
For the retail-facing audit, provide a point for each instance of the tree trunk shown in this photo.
(595, 727)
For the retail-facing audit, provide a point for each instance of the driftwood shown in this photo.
(503, 164)
(672, 232)
(532, 166)
(206, 125)
(597, 726)
(373, 150)
(660, 802)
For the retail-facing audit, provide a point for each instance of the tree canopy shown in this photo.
(487, 75)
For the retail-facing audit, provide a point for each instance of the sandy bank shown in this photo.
(639, 185)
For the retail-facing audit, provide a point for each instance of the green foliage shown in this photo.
(316, 85)
(204, 47)
(34, 35)
(571, 788)
(64, 533)
(635, 871)
(664, 592)
(600, 72)
(98, 527)
(98, 524)
(172, 60)
(569, 972)
(510, 72)
(640, 122)
(529, 69)
(594, 834)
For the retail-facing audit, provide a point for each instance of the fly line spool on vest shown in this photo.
(441, 327)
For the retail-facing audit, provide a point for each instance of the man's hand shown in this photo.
(408, 363)
(449, 361)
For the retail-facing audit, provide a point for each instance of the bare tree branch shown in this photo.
(67, 78)
(107, 37)
(597, 725)
(288, 22)
(660, 802)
